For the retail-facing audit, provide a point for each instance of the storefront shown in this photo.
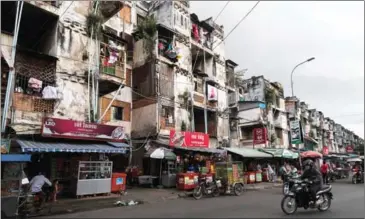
(253, 161)
(77, 155)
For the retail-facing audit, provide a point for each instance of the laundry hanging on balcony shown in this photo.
(196, 32)
(49, 93)
(34, 85)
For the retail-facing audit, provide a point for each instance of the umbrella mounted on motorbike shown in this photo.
(357, 170)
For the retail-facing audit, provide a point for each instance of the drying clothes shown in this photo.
(49, 92)
(35, 84)
(113, 58)
(196, 32)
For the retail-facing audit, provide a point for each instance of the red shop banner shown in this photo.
(325, 150)
(62, 128)
(259, 136)
(189, 139)
(349, 149)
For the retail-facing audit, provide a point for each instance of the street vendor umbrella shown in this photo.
(163, 153)
(311, 154)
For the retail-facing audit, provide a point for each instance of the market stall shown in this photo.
(12, 180)
(279, 156)
(194, 163)
(167, 168)
(252, 158)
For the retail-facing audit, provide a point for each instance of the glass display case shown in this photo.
(94, 177)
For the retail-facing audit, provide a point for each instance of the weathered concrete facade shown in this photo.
(262, 105)
(63, 58)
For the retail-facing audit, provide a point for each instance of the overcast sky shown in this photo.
(276, 36)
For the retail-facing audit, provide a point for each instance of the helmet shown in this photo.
(308, 164)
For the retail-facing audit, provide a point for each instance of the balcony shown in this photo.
(112, 68)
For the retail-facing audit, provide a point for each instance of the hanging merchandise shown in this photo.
(35, 84)
(171, 53)
(49, 93)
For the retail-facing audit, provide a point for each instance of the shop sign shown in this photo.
(349, 149)
(5, 146)
(189, 139)
(259, 136)
(62, 128)
(325, 150)
(212, 93)
(295, 132)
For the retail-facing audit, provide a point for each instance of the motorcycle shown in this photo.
(299, 196)
(32, 205)
(357, 176)
(206, 187)
(289, 182)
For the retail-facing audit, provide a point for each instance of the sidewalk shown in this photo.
(140, 195)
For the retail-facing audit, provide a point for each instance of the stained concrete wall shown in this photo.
(144, 121)
(182, 83)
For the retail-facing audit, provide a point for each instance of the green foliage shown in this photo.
(147, 30)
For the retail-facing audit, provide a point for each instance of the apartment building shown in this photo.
(71, 65)
(260, 105)
(180, 83)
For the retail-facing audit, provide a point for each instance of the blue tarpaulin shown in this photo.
(15, 157)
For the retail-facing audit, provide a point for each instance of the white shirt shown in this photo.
(37, 183)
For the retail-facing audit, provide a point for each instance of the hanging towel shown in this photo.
(196, 32)
(35, 84)
(49, 92)
(113, 58)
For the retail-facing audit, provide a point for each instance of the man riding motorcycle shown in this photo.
(36, 185)
(312, 174)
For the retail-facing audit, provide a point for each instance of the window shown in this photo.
(214, 68)
(168, 114)
(117, 113)
(182, 21)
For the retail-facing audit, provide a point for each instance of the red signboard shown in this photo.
(189, 139)
(62, 128)
(259, 136)
(349, 149)
(325, 150)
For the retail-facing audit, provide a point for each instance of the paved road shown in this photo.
(348, 203)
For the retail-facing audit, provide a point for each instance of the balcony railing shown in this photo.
(112, 61)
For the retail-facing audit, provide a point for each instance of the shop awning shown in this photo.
(160, 153)
(15, 157)
(203, 150)
(281, 152)
(36, 146)
(249, 153)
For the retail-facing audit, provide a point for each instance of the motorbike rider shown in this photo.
(312, 174)
(36, 185)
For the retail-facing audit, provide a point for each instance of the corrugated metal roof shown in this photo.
(250, 153)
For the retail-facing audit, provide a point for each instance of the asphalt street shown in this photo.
(348, 203)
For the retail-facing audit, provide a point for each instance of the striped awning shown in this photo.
(37, 146)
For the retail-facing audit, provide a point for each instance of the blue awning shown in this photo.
(36, 146)
(15, 157)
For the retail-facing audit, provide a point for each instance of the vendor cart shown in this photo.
(231, 176)
(12, 181)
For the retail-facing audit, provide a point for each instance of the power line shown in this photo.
(221, 11)
(248, 13)
(66, 9)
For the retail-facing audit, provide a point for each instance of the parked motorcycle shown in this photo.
(299, 196)
(206, 187)
(357, 176)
